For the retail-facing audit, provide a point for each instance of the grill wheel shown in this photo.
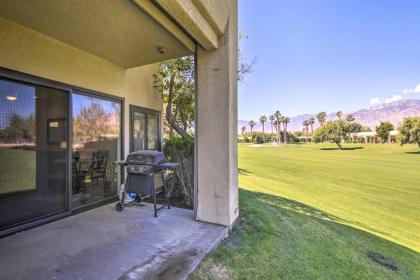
(118, 206)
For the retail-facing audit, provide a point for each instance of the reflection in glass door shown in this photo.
(139, 131)
(33, 152)
(152, 132)
(96, 145)
(144, 129)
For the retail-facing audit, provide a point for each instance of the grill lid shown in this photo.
(145, 157)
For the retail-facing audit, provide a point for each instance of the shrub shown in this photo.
(383, 130)
(410, 131)
(181, 150)
(336, 131)
(298, 133)
(258, 138)
(293, 138)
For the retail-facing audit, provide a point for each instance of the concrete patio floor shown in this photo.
(105, 244)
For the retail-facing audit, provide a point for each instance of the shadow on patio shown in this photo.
(105, 244)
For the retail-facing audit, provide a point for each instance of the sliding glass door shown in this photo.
(96, 146)
(48, 164)
(33, 152)
(144, 129)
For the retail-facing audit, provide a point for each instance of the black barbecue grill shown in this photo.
(142, 166)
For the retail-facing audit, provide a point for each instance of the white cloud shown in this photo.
(407, 91)
(374, 100)
(377, 101)
(411, 90)
(393, 98)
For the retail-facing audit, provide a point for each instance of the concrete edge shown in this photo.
(222, 236)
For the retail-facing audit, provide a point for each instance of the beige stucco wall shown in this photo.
(31, 52)
(216, 143)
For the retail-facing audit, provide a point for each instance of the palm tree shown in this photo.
(272, 121)
(350, 118)
(276, 125)
(243, 130)
(322, 118)
(311, 122)
(306, 124)
(277, 115)
(282, 122)
(263, 120)
(305, 129)
(339, 114)
(251, 124)
(286, 120)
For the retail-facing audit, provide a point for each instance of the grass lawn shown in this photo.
(17, 169)
(314, 212)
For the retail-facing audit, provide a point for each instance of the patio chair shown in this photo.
(99, 167)
(96, 167)
(76, 176)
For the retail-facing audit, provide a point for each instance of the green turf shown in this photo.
(313, 212)
(17, 169)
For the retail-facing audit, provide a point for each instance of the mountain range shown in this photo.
(393, 112)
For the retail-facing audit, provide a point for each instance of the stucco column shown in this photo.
(216, 128)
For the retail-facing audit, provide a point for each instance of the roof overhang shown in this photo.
(122, 32)
(203, 20)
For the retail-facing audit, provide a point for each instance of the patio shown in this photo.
(105, 244)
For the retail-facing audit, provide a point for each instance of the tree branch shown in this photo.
(169, 114)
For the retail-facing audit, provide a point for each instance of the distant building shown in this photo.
(371, 136)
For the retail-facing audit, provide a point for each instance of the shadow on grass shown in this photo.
(244, 172)
(301, 208)
(413, 153)
(299, 223)
(295, 206)
(342, 149)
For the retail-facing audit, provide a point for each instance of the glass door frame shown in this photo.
(20, 77)
(108, 97)
(133, 109)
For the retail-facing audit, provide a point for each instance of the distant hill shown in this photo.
(393, 112)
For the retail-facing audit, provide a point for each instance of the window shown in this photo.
(33, 152)
(144, 129)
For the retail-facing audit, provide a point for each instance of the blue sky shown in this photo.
(24, 105)
(328, 55)
(82, 101)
